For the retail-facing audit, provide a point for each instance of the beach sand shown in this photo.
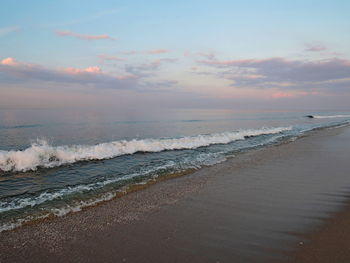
(285, 203)
(330, 242)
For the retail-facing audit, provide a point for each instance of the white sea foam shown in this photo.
(330, 116)
(57, 211)
(43, 197)
(41, 154)
(22, 202)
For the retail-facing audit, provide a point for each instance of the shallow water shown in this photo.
(54, 162)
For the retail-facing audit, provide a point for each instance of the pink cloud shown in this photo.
(26, 72)
(288, 94)
(150, 52)
(281, 94)
(315, 47)
(95, 70)
(13, 71)
(9, 61)
(83, 36)
(210, 55)
(108, 57)
(157, 51)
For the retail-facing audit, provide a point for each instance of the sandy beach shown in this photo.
(282, 203)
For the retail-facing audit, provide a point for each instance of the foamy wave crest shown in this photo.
(41, 154)
(330, 116)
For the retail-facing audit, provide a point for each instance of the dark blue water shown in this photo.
(54, 162)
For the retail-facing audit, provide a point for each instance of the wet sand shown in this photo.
(269, 205)
(329, 242)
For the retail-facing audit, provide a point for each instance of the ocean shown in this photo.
(53, 162)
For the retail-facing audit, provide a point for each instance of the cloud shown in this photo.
(210, 55)
(315, 47)
(134, 77)
(162, 85)
(283, 73)
(108, 57)
(145, 69)
(280, 94)
(157, 51)
(103, 58)
(149, 52)
(7, 30)
(15, 71)
(83, 36)
(95, 70)
(9, 61)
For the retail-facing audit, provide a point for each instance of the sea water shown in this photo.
(53, 162)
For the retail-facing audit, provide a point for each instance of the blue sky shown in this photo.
(207, 51)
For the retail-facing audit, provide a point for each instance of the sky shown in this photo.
(175, 54)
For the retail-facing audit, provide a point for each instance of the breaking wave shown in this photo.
(330, 116)
(41, 154)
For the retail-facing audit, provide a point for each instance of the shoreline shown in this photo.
(143, 222)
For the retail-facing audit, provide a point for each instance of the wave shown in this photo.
(21, 126)
(15, 203)
(330, 116)
(57, 211)
(41, 154)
